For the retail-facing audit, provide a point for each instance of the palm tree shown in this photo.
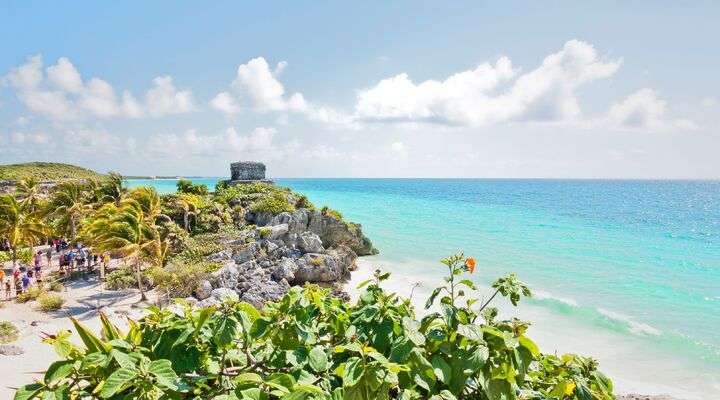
(126, 229)
(28, 191)
(19, 226)
(149, 201)
(110, 190)
(69, 204)
(189, 204)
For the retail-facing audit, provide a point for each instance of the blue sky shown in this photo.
(467, 89)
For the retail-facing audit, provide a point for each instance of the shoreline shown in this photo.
(544, 330)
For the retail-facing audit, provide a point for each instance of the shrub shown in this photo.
(304, 202)
(186, 186)
(50, 302)
(264, 232)
(199, 247)
(274, 203)
(311, 345)
(180, 279)
(8, 332)
(124, 278)
(31, 293)
(331, 213)
(56, 287)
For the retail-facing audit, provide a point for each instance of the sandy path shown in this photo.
(83, 298)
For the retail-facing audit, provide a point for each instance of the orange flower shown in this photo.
(470, 264)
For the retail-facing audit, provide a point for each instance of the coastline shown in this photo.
(549, 338)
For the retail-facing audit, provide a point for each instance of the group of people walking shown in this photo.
(70, 259)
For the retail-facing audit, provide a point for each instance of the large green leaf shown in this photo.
(318, 359)
(442, 369)
(57, 371)
(117, 381)
(226, 331)
(163, 372)
(412, 331)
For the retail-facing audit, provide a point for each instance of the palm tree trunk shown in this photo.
(139, 281)
(186, 220)
(14, 255)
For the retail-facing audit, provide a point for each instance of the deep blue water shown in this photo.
(637, 261)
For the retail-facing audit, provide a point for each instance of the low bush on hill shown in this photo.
(274, 203)
(8, 332)
(310, 345)
(50, 302)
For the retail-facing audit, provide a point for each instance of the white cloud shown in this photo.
(256, 87)
(190, 143)
(29, 138)
(490, 93)
(644, 109)
(61, 94)
(64, 76)
(226, 103)
(165, 99)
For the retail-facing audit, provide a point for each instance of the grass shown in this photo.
(45, 171)
(28, 295)
(50, 302)
(8, 332)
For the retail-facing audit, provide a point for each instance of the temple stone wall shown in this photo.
(247, 171)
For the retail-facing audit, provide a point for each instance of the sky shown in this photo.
(554, 89)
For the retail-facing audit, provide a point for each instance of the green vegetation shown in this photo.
(50, 301)
(30, 294)
(310, 345)
(122, 278)
(44, 171)
(187, 187)
(331, 213)
(274, 203)
(8, 332)
(180, 279)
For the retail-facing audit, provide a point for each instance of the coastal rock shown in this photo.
(285, 270)
(332, 232)
(224, 294)
(204, 290)
(210, 301)
(309, 242)
(278, 231)
(247, 253)
(221, 256)
(227, 276)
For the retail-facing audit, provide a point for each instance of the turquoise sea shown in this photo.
(627, 271)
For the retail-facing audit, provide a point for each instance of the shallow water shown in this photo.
(628, 271)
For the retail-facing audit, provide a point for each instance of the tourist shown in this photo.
(26, 281)
(8, 288)
(38, 267)
(2, 274)
(48, 255)
(37, 259)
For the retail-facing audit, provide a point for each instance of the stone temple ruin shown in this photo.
(247, 172)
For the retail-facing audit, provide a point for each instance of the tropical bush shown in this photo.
(8, 332)
(180, 279)
(186, 186)
(56, 287)
(32, 293)
(123, 278)
(331, 213)
(50, 301)
(24, 256)
(310, 345)
(275, 203)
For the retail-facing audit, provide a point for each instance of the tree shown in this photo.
(69, 203)
(19, 226)
(128, 230)
(111, 189)
(189, 204)
(28, 192)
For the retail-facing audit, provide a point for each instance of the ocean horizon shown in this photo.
(630, 267)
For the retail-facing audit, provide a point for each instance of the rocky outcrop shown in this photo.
(331, 231)
(266, 261)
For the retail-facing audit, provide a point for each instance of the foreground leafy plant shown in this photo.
(310, 345)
